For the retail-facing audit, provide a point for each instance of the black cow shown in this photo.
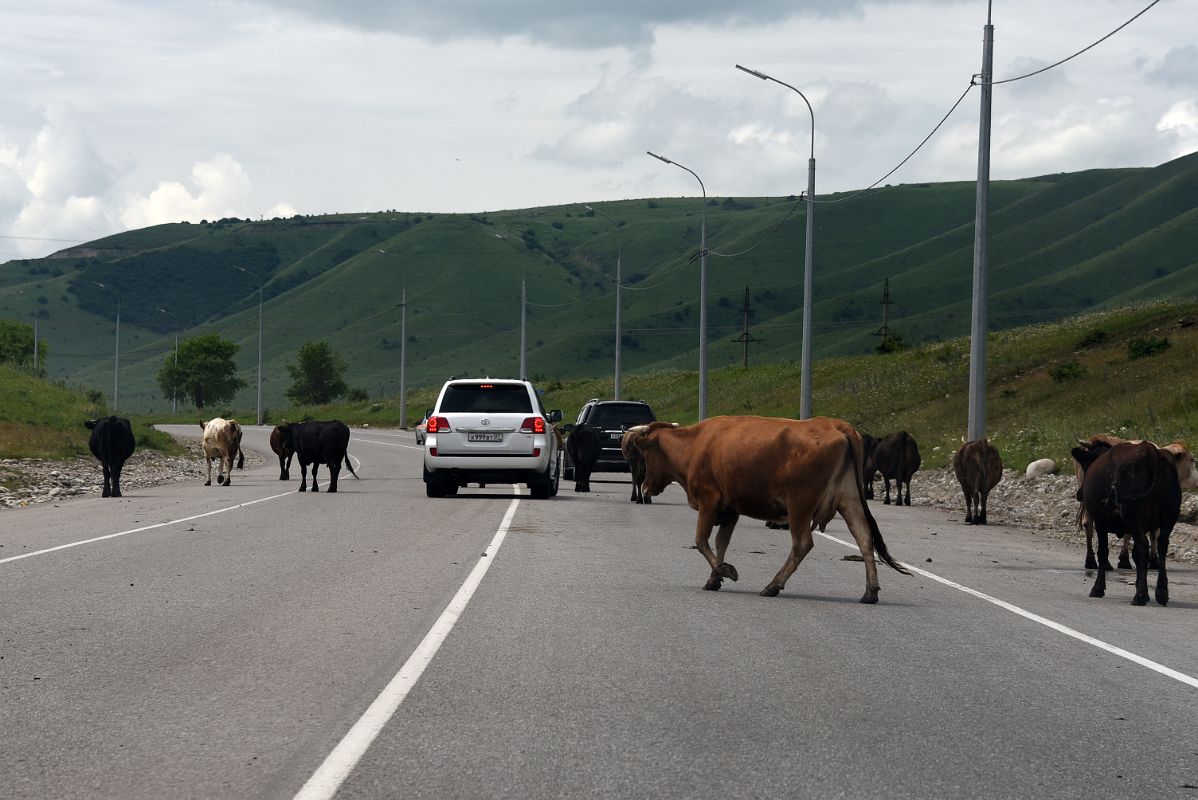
(112, 442)
(281, 444)
(897, 458)
(869, 471)
(1131, 490)
(319, 443)
(636, 463)
(583, 445)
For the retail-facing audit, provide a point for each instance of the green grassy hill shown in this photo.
(1060, 245)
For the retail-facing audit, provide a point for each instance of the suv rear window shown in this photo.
(489, 398)
(610, 415)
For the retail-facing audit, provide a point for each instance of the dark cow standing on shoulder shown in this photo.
(1187, 474)
(281, 444)
(1132, 490)
(803, 471)
(979, 469)
(319, 443)
(112, 442)
(582, 445)
(897, 458)
(636, 463)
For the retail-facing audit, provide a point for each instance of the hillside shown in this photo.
(1060, 245)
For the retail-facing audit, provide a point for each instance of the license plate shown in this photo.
(484, 437)
(617, 436)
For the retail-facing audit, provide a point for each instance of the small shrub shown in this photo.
(357, 395)
(1068, 371)
(1094, 338)
(1148, 346)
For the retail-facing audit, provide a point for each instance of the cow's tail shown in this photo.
(240, 458)
(350, 466)
(875, 533)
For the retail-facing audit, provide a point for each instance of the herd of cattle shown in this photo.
(795, 474)
(312, 443)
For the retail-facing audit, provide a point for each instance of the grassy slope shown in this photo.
(1030, 414)
(1059, 244)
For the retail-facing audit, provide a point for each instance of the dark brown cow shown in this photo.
(1187, 474)
(897, 458)
(979, 469)
(280, 442)
(802, 471)
(112, 442)
(869, 471)
(582, 445)
(636, 463)
(1132, 490)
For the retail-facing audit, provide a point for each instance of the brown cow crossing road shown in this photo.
(588, 663)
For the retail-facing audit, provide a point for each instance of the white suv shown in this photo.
(485, 430)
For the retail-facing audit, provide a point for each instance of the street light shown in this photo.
(116, 363)
(175, 374)
(619, 288)
(805, 379)
(403, 343)
(702, 289)
(259, 277)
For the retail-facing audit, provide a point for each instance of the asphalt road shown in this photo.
(254, 642)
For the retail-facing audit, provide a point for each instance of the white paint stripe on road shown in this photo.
(141, 529)
(389, 444)
(328, 778)
(1048, 623)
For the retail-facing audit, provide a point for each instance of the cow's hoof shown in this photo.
(115, 494)
(1140, 600)
(1124, 563)
(713, 584)
(870, 597)
(648, 501)
(1109, 568)
(770, 591)
(303, 488)
(107, 493)
(1091, 562)
(1162, 598)
(1097, 592)
(886, 502)
(208, 483)
(728, 571)
(332, 490)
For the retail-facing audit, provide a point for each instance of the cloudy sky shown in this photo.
(119, 114)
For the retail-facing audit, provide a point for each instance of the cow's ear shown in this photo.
(643, 441)
(1084, 457)
(90, 424)
(202, 424)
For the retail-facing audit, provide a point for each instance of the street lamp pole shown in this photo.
(619, 303)
(805, 380)
(523, 323)
(403, 343)
(175, 374)
(116, 362)
(259, 277)
(702, 289)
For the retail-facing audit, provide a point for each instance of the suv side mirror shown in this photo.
(555, 416)
(428, 412)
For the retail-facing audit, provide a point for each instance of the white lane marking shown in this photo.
(1048, 623)
(389, 444)
(141, 529)
(328, 778)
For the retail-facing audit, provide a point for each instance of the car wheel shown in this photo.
(438, 488)
(543, 487)
(557, 477)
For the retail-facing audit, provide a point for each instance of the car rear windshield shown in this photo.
(615, 416)
(486, 398)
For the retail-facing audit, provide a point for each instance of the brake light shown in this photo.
(437, 425)
(533, 425)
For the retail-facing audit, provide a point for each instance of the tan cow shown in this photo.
(978, 467)
(800, 471)
(1187, 474)
(221, 442)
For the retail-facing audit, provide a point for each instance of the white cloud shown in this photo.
(221, 189)
(1180, 124)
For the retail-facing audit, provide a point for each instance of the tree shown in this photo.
(16, 344)
(205, 373)
(319, 375)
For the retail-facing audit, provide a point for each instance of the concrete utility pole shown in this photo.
(175, 377)
(977, 350)
(619, 303)
(523, 324)
(403, 342)
(116, 361)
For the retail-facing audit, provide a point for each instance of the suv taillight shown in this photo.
(437, 425)
(533, 425)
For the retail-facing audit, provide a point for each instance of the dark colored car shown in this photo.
(611, 418)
